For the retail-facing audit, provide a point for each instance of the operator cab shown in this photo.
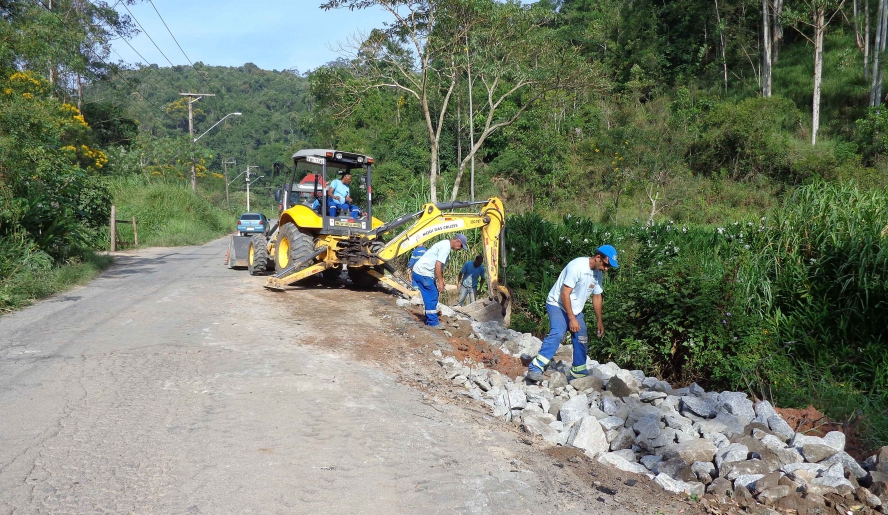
(314, 170)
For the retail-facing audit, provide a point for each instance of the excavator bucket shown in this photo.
(498, 309)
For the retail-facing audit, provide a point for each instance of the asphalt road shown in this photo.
(171, 384)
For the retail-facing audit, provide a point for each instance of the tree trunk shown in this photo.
(776, 30)
(766, 51)
(878, 48)
(721, 36)
(866, 39)
(819, 29)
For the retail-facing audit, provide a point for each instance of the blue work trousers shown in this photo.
(558, 326)
(429, 291)
(333, 207)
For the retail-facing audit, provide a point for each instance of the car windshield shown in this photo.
(250, 216)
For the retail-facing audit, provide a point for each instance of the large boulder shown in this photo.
(689, 452)
(835, 439)
(735, 469)
(557, 380)
(779, 427)
(763, 410)
(623, 384)
(625, 439)
(605, 371)
(847, 461)
(609, 423)
(575, 409)
(583, 384)
(815, 452)
(537, 423)
(732, 452)
(699, 406)
(588, 435)
(616, 460)
(647, 427)
(737, 404)
(882, 460)
(674, 485)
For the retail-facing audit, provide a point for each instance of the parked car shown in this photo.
(251, 223)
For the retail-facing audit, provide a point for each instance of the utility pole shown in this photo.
(226, 162)
(248, 184)
(196, 97)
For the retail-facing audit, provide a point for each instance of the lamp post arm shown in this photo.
(214, 126)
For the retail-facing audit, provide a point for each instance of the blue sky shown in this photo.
(272, 34)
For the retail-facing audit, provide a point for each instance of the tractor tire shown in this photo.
(292, 246)
(258, 259)
(360, 278)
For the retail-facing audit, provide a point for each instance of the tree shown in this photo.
(815, 17)
(516, 59)
(425, 69)
(878, 51)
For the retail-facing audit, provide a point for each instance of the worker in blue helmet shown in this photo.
(579, 280)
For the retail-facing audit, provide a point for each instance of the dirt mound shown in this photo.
(812, 422)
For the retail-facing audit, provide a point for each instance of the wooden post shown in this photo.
(135, 234)
(113, 228)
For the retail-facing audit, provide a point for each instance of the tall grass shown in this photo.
(788, 306)
(169, 214)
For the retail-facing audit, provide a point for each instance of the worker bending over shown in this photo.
(468, 278)
(581, 278)
(428, 274)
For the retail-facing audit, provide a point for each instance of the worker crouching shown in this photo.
(579, 280)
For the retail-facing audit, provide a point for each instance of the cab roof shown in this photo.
(331, 153)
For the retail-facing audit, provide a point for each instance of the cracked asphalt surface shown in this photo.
(172, 384)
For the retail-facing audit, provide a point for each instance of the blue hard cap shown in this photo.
(611, 253)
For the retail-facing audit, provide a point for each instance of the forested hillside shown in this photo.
(734, 152)
(274, 105)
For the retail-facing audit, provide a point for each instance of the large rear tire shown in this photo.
(292, 246)
(258, 259)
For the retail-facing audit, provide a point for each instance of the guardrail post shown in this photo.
(135, 234)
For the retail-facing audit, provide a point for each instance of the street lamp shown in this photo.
(214, 125)
(191, 130)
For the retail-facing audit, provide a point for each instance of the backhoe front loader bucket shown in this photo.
(238, 251)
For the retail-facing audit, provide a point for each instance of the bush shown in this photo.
(747, 139)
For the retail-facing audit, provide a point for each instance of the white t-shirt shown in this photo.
(582, 279)
(426, 264)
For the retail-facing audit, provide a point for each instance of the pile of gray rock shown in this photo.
(687, 440)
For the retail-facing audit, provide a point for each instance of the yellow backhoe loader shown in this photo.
(309, 241)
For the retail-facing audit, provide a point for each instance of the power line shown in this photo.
(171, 32)
(149, 35)
(147, 62)
(113, 69)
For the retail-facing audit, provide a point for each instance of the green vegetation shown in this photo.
(27, 273)
(169, 215)
(762, 305)
(751, 258)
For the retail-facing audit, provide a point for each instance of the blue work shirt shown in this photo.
(414, 257)
(471, 274)
(341, 190)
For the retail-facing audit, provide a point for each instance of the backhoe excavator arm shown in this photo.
(435, 220)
